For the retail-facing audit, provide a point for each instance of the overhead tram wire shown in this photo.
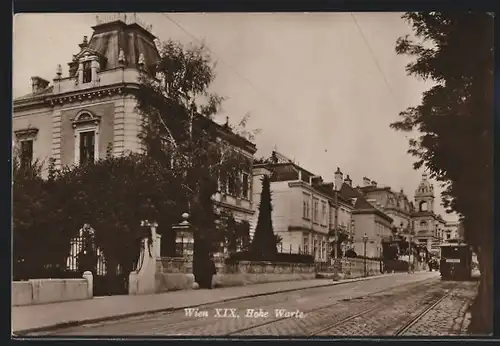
(248, 81)
(374, 58)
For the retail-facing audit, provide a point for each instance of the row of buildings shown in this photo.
(77, 118)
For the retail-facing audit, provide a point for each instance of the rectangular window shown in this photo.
(305, 206)
(305, 244)
(323, 249)
(87, 146)
(26, 153)
(315, 210)
(223, 184)
(244, 185)
(87, 72)
(323, 213)
(315, 247)
(231, 186)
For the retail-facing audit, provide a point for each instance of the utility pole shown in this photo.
(335, 222)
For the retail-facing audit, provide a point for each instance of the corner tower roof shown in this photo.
(116, 33)
(425, 188)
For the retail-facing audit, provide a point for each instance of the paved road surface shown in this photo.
(407, 305)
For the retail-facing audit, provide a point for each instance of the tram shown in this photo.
(456, 261)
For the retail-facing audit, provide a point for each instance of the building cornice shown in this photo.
(292, 228)
(93, 93)
(374, 211)
(75, 96)
(303, 184)
(26, 133)
(399, 211)
(235, 207)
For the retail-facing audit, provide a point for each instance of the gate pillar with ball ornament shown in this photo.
(184, 242)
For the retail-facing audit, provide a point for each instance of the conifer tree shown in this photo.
(264, 241)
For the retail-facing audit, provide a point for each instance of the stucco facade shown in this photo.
(93, 110)
(305, 209)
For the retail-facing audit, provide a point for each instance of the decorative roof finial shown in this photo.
(84, 43)
(142, 61)
(58, 71)
(121, 57)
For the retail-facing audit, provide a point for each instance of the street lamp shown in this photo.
(365, 239)
(333, 240)
(184, 236)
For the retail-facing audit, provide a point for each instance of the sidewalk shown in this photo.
(47, 316)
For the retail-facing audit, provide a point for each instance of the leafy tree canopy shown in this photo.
(113, 195)
(455, 121)
(455, 50)
(179, 131)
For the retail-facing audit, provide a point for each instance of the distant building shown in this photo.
(369, 218)
(429, 226)
(395, 204)
(305, 209)
(451, 230)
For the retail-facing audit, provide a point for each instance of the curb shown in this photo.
(152, 312)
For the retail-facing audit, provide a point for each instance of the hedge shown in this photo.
(279, 257)
(396, 265)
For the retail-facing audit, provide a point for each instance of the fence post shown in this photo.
(90, 283)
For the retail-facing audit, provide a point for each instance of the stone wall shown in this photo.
(172, 274)
(349, 268)
(43, 291)
(247, 273)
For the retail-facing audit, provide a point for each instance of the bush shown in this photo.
(351, 253)
(396, 265)
(279, 257)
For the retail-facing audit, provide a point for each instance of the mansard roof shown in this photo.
(108, 39)
(45, 92)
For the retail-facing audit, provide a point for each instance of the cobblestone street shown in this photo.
(381, 307)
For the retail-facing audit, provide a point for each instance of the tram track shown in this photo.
(408, 325)
(344, 308)
(344, 315)
(324, 311)
(190, 324)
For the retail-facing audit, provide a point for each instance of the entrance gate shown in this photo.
(85, 255)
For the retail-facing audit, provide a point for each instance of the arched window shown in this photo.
(86, 127)
(87, 72)
(423, 206)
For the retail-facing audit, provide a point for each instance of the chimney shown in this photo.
(374, 183)
(366, 181)
(316, 179)
(348, 180)
(38, 84)
(338, 179)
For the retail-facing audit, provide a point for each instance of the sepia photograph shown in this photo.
(236, 175)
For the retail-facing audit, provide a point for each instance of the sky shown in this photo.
(323, 88)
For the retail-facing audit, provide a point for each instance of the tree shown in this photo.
(230, 236)
(455, 50)
(112, 196)
(243, 232)
(28, 197)
(264, 241)
(342, 236)
(179, 133)
(116, 194)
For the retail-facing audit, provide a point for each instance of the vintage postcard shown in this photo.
(252, 174)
